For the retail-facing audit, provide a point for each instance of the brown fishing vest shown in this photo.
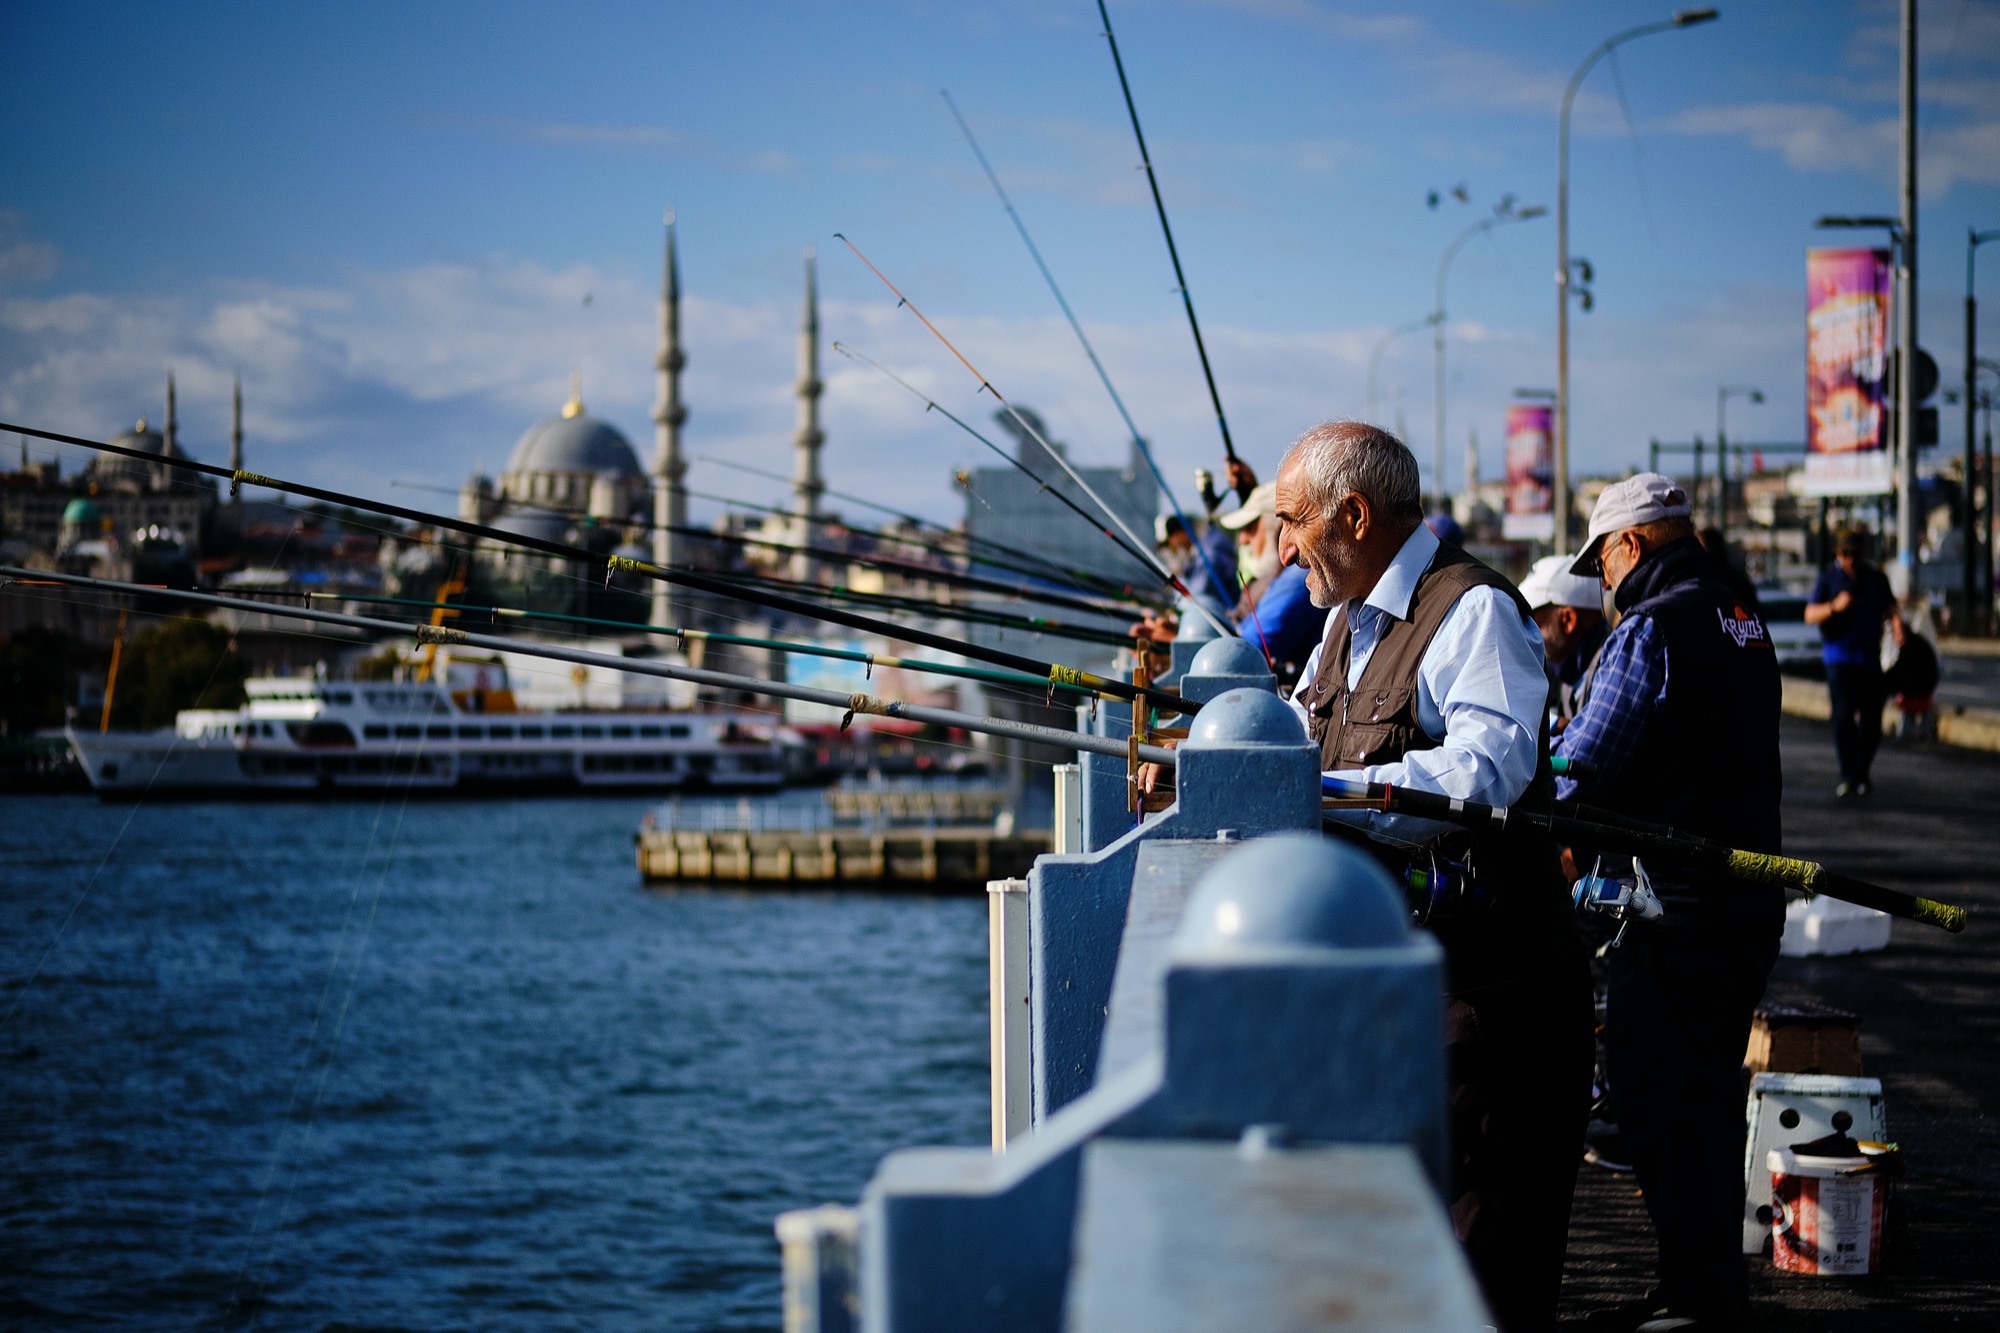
(1376, 722)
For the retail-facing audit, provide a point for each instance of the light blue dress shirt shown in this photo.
(1481, 694)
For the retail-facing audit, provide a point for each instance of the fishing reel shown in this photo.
(1604, 898)
(1437, 889)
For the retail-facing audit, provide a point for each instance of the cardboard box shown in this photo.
(1804, 1039)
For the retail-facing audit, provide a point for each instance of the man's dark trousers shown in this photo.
(1681, 998)
(1855, 691)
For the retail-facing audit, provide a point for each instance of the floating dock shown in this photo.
(906, 835)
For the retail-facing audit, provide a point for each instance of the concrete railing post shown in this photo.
(1010, 1055)
(819, 1253)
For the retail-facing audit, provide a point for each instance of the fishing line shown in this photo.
(1138, 441)
(1159, 206)
(1071, 575)
(1152, 568)
(332, 1049)
(1222, 627)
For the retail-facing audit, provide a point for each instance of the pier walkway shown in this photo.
(1930, 1030)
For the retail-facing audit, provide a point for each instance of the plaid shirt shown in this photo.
(1626, 691)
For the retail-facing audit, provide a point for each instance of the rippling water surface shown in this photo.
(441, 1066)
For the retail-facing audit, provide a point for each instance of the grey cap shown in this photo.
(1646, 498)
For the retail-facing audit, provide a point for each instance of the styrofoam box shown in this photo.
(1828, 926)
(1797, 1108)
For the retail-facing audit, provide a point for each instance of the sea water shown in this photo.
(441, 1065)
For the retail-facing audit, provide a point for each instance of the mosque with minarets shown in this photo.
(576, 478)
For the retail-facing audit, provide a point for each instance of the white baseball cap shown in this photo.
(1549, 583)
(1263, 503)
(1646, 498)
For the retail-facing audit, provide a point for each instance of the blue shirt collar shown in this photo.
(1398, 584)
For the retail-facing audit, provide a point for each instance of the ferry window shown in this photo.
(408, 733)
(469, 733)
(679, 731)
(591, 733)
(621, 733)
(531, 733)
(438, 733)
(375, 731)
(267, 728)
(341, 697)
(652, 733)
(561, 733)
(500, 732)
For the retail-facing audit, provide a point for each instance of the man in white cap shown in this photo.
(1680, 727)
(1569, 611)
(1275, 611)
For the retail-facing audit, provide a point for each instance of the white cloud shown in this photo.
(1819, 137)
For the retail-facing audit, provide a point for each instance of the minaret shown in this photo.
(1472, 461)
(236, 430)
(806, 482)
(669, 468)
(168, 430)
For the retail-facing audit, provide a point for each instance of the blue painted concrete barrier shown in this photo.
(1222, 979)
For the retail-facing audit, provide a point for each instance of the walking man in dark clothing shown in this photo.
(1849, 603)
(1679, 726)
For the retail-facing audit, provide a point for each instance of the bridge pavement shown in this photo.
(1930, 1011)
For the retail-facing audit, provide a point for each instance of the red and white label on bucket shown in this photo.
(1825, 1219)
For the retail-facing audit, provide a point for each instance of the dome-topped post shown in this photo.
(806, 482)
(669, 467)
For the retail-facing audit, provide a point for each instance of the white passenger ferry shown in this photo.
(305, 736)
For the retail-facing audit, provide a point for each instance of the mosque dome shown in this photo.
(574, 442)
(83, 513)
(110, 470)
(533, 524)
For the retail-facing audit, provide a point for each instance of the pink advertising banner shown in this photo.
(1847, 368)
(1531, 473)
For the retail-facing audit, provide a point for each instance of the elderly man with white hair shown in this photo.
(1429, 675)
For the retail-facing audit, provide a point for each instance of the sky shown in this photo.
(405, 226)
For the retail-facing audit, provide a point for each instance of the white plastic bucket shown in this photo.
(1826, 1213)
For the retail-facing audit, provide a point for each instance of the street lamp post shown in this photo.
(1975, 611)
(1505, 213)
(1375, 359)
(1723, 394)
(1686, 18)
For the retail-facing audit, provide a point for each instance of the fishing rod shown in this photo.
(686, 636)
(964, 612)
(1222, 627)
(1591, 827)
(1123, 595)
(1055, 672)
(1104, 376)
(1159, 206)
(913, 568)
(1075, 577)
(931, 404)
(445, 636)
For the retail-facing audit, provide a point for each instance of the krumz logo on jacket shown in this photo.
(1743, 627)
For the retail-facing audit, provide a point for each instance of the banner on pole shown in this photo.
(1531, 494)
(1847, 373)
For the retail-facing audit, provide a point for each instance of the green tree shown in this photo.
(35, 667)
(173, 665)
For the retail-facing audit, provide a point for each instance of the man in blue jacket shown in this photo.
(1679, 726)
(1849, 603)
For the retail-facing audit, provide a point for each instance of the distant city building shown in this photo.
(1007, 506)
